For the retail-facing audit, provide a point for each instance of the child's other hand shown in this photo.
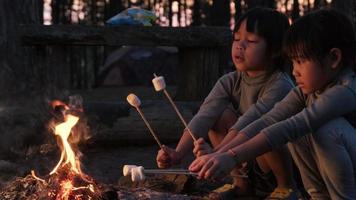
(167, 157)
(199, 162)
(213, 166)
(201, 148)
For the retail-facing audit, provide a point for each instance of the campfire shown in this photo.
(67, 181)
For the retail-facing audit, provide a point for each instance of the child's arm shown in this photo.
(325, 108)
(290, 105)
(214, 104)
(274, 92)
(333, 103)
(227, 139)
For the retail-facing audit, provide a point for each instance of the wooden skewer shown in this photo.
(135, 102)
(177, 111)
(128, 171)
(181, 171)
(149, 127)
(171, 172)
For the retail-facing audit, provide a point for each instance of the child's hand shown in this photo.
(213, 166)
(199, 162)
(167, 157)
(201, 148)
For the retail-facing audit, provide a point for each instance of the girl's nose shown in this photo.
(240, 45)
(295, 72)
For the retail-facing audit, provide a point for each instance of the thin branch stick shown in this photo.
(179, 114)
(149, 127)
(177, 111)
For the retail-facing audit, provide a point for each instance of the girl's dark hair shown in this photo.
(315, 34)
(270, 25)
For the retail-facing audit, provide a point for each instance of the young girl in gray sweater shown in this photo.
(243, 96)
(318, 117)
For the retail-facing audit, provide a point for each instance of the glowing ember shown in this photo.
(66, 189)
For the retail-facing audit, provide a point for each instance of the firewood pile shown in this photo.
(167, 187)
(54, 187)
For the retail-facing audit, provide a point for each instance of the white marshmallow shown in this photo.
(137, 174)
(126, 170)
(133, 100)
(159, 83)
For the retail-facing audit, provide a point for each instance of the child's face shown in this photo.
(310, 75)
(249, 51)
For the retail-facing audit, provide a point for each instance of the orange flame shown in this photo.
(67, 156)
(69, 159)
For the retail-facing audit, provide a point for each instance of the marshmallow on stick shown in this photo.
(136, 172)
(159, 84)
(136, 102)
(126, 170)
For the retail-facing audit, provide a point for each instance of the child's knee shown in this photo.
(333, 131)
(225, 121)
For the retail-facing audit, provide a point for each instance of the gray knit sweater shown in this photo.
(298, 114)
(250, 96)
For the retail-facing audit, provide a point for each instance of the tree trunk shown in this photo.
(55, 4)
(286, 5)
(296, 10)
(179, 12)
(220, 13)
(113, 8)
(261, 3)
(318, 4)
(93, 10)
(197, 21)
(344, 6)
(17, 74)
(238, 10)
(170, 13)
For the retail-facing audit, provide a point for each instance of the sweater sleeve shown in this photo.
(273, 94)
(214, 104)
(335, 102)
(289, 106)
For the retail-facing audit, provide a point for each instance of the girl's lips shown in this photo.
(300, 84)
(239, 58)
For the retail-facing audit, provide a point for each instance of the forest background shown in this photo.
(21, 76)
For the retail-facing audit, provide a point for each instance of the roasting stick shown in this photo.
(135, 102)
(127, 170)
(166, 171)
(181, 171)
(159, 84)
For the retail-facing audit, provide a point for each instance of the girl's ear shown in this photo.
(335, 57)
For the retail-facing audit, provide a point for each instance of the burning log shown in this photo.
(64, 185)
(158, 188)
